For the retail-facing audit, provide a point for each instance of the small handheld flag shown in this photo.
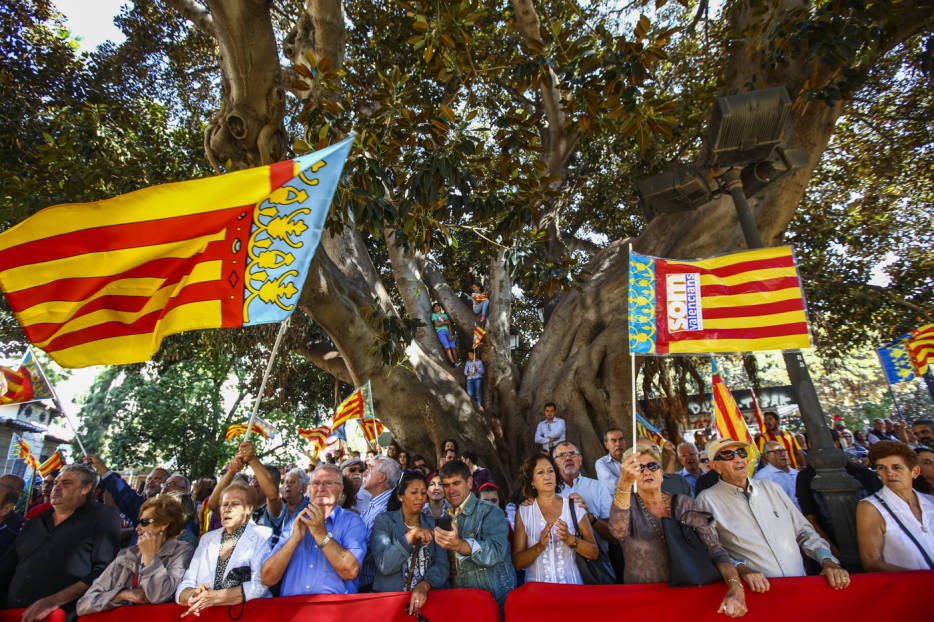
(896, 361)
(758, 411)
(358, 405)
(735, 303)
(315, 436)
(16, 447)
(478, 334)
(26, 383)
(647, 430)
(54, 463)
(260, 426)
(372, 429)
(104, 283)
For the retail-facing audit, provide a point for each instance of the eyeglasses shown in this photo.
(325, 484)
(567, 454)
(651, 466)
(355, 469)
(146, 522)
(777, 451)
(705, 460)
(728, 454)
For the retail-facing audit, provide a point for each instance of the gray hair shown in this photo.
(390, 468)
(185, 480)
(86, 472)
(301, 474)
(687, 444)
(327, 466)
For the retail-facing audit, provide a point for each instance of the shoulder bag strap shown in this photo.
(911, 537)
(577, 529)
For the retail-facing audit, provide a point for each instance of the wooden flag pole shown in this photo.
(283, 326)
(58, 402)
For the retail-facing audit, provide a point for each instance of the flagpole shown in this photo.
(632, 384)
(57, 401)
(283, 326)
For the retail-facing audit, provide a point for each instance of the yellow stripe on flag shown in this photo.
(60, 311)
(757, 298)
(735, 258)
(749, 276)
(103, 264)
(192, 316)
(177, 199)
(790, 342)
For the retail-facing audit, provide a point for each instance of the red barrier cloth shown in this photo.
(871, 596)
(442, 606)
(15, 615)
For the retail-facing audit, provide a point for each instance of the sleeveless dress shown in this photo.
(556, 564)
(897, 548)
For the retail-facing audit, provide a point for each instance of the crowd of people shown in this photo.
(394, 523)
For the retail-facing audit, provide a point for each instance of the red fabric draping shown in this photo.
(442, 605)
(872, 596)
(14, 615)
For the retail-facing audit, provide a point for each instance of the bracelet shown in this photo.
(734, 581)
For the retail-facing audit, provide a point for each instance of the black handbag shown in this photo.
(593, 571)
(689, 560)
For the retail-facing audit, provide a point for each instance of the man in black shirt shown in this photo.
(59, 553)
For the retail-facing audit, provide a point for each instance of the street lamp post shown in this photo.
(745, 133)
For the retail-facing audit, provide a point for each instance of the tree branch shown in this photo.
(878, 289)
(325, 356)
(195, 12)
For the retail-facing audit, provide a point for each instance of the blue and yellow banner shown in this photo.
(895, 361)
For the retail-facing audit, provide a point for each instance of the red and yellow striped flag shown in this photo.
(729, 419)
(478, 334)
(734, 303)
(372, 428)
(758, 412)
(103, 283)
(316, 436)
(358, 405)
(921, 348)
(54, 463)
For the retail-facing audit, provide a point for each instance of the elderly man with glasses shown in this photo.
(777, 469)
(758, 524)
(325, 547)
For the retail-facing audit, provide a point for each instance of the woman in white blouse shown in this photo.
(896, 525)
(544, 541)
(226, 567)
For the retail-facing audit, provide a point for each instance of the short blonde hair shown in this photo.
(643, 450)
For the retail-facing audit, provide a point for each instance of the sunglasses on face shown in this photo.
(728, 454)
(651, 466)
(704, 460)
(146, 522)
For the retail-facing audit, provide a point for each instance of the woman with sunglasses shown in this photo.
(635, 520)
(149, 571)
(401, 543)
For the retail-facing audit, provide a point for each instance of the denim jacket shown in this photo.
(489, 567)
(390, 551)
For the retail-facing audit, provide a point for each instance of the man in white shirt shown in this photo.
(592, 499)
(778, 470)
(379, 480)
(551, 431)
(608, 466)
(758, 524)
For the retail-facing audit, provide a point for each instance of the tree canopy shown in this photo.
(496, 142)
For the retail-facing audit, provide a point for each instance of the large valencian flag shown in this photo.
(733, 303)
(105, 282)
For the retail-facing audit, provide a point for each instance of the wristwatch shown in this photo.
(327, 538)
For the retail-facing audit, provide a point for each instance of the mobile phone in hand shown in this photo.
(444, 523)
